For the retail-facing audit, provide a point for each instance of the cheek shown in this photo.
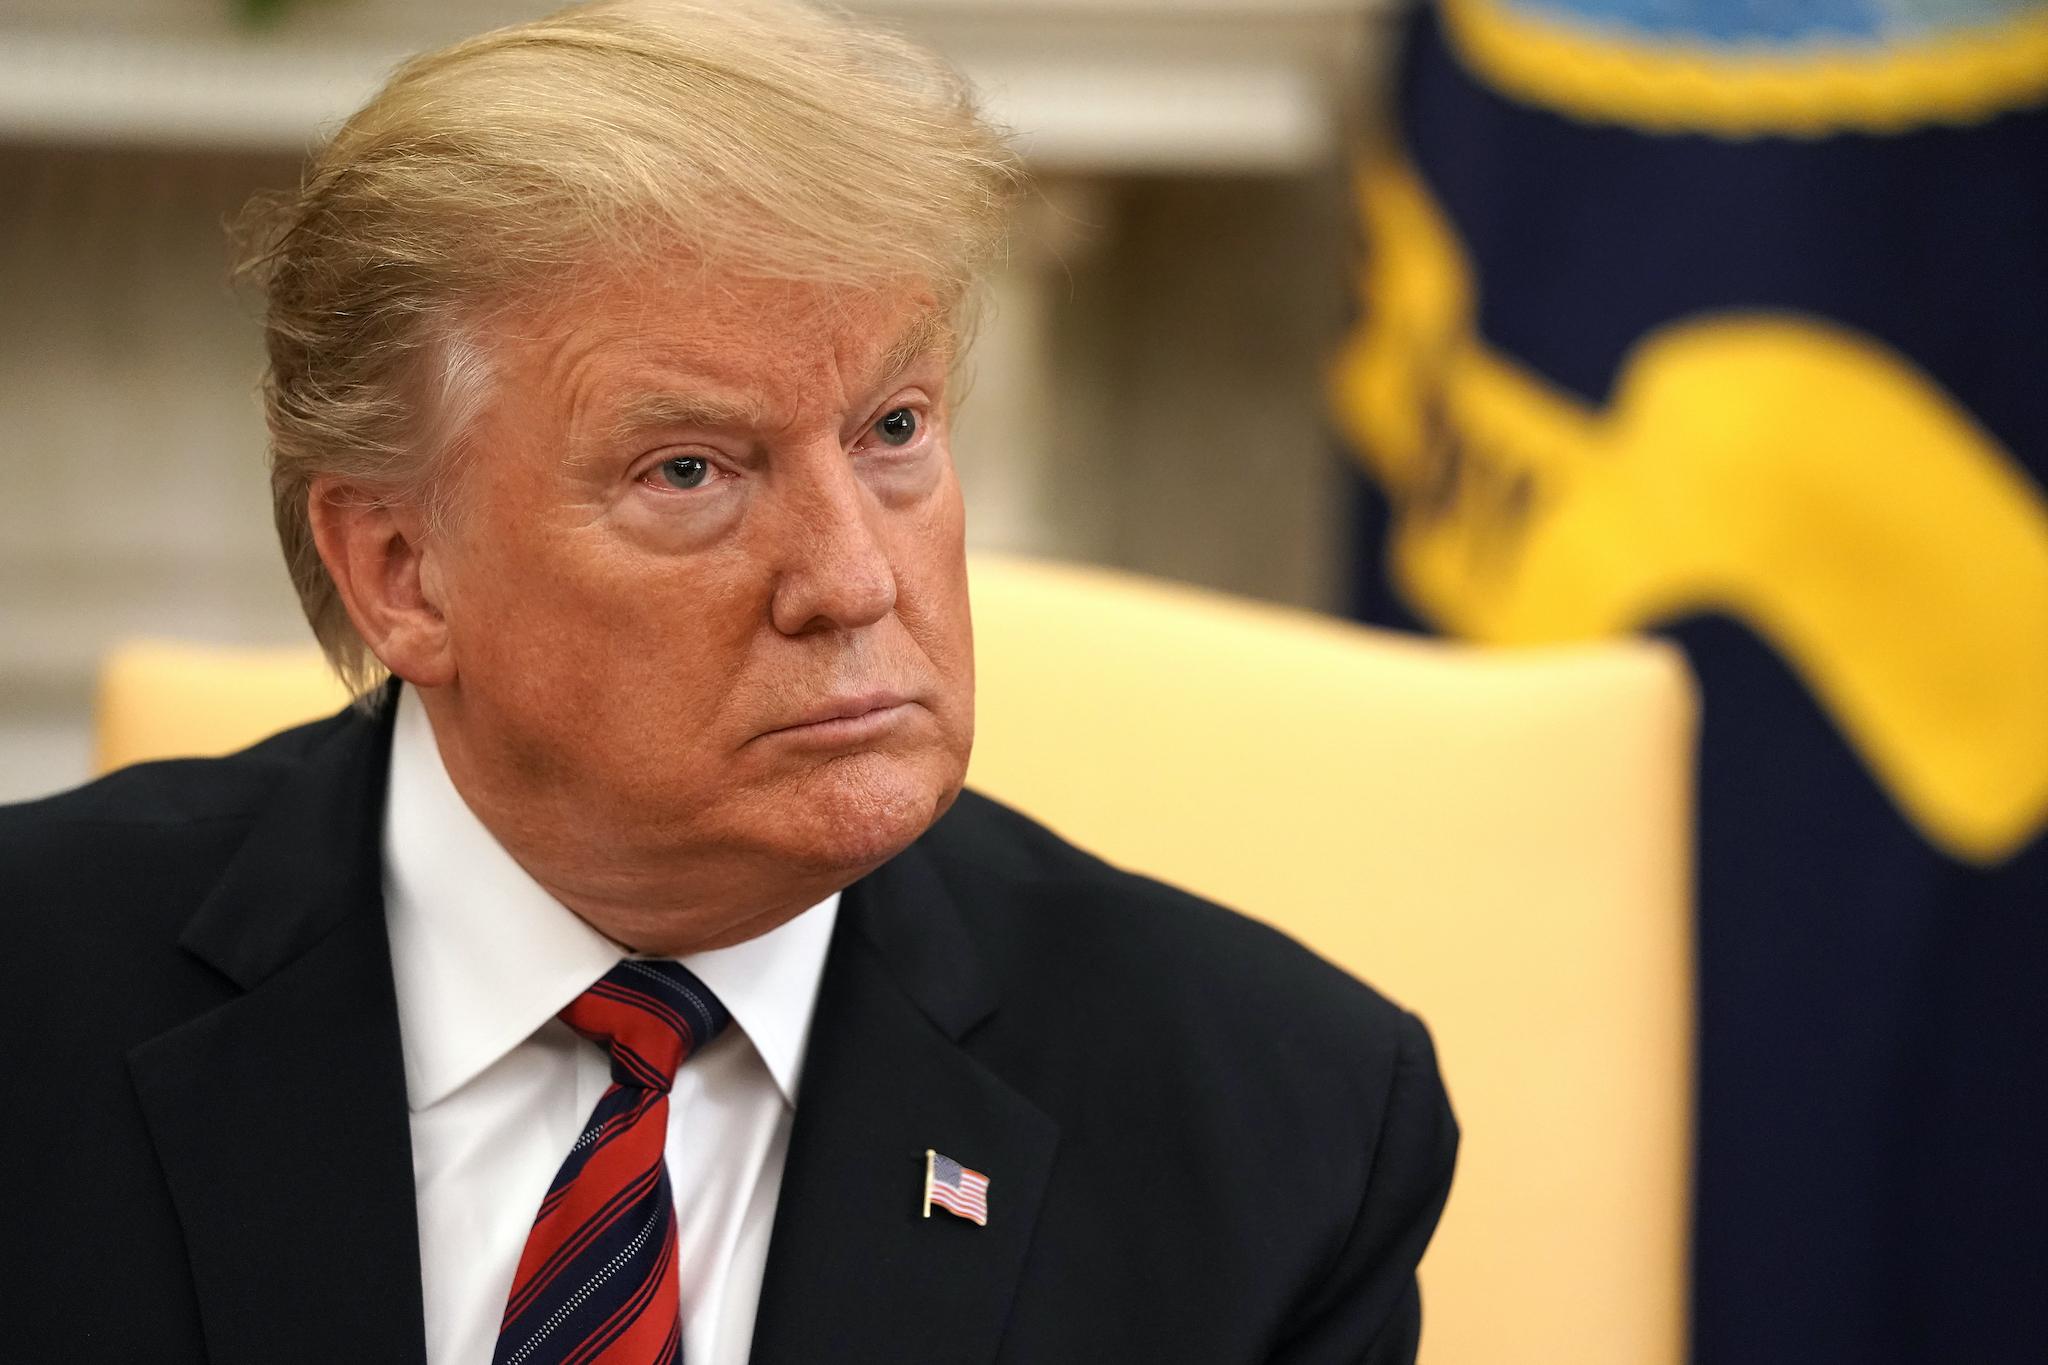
(587, 637)
(518, 599)
(935, 606)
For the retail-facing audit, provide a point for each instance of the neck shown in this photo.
(667, 932)
(647, 886)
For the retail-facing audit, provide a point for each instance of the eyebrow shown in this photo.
(652, 411)
(933, 327)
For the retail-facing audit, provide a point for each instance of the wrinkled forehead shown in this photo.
(684, 346)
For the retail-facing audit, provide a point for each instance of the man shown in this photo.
(627, 978)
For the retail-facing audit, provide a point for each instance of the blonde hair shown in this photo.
(766, 138)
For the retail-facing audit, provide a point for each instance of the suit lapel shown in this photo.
(280, 1118)
(854, 1270)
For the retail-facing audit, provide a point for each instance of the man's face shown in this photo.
(706, 590)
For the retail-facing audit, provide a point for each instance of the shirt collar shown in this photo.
(482, 956)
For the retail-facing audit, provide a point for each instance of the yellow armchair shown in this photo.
(1499, 840)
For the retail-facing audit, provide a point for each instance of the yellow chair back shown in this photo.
(1499, 840)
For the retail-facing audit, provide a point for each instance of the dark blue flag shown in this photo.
(1728, 320)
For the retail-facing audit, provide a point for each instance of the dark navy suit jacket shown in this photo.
(1204, 1143)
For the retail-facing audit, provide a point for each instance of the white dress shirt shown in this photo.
(499, 1089)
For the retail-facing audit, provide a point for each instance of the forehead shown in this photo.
(618, 341)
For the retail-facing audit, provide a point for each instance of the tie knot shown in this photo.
(651, 1015)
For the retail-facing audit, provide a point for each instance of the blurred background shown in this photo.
(1148, 394)
(1720, 320)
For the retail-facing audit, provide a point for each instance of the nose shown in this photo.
(835, 570)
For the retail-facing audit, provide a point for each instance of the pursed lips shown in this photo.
(847, 717)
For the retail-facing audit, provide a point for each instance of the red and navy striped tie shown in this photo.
(597, 1282)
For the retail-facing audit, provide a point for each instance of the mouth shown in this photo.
(847, 720)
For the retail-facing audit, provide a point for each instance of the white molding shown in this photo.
(1091, 86)
(178, 91)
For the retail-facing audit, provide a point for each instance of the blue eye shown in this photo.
(898, 427)
(684, 472)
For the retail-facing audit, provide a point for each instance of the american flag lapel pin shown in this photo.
(955, 1189)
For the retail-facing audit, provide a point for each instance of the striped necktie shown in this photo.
(597, 1282)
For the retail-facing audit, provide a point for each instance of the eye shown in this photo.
(685, 472)
(898, 428)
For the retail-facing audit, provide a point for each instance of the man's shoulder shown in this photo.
(1208, 1063)
(174, 791)
(135, 846)
(1049, 911)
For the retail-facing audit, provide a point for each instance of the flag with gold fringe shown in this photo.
(1728, 320)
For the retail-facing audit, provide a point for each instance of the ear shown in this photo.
(382, 563)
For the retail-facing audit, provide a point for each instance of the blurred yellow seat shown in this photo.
(1498, 840)
(163, 699)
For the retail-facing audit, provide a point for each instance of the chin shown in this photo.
(860, 811)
